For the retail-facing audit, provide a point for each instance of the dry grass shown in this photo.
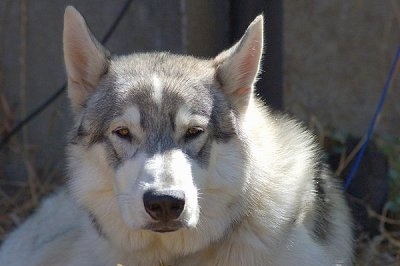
(17, 202)
(383, 248)
(18, 199)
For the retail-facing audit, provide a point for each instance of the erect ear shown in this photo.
(237, 67)
(85, 58)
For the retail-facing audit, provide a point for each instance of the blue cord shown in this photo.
(372, 125)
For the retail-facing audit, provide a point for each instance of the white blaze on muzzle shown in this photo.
(161, 189)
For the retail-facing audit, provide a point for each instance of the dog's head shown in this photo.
(157, 143)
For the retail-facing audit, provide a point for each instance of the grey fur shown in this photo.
(255, 189)
(180, 87)
(322, 220)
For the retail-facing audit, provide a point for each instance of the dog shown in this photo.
(172, 160)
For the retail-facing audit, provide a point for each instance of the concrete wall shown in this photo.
(337, 55)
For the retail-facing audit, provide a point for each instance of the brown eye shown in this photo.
(123, 133)
(193, 132)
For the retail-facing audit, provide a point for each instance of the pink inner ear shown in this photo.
(249, 65)
(241, 91)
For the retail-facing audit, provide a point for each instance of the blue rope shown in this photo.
(372, 125)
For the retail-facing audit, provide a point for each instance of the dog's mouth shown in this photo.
(165, 227)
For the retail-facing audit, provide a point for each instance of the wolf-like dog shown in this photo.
(172, 160)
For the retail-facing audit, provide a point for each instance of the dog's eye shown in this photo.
(193, 132)
(123, 133)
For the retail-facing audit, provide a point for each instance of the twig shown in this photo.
(373, 214)
(383, 230)
(22, 60)
(343, 164)
(32, 181)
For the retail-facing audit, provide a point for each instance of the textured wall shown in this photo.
(32, 68)
(337, 55)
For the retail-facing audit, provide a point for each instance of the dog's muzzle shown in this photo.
(165, 207)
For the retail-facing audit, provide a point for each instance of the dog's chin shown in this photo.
(165, 227)
(165, 230)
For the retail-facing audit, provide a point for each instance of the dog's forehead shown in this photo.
(161, 82)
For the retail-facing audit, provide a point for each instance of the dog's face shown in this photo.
(158, 135)
(156, 128)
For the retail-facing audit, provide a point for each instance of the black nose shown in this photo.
(164, 205)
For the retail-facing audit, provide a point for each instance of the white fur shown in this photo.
(157, 89)
(185, 119)
(160, 172)
(253, 202)
(131, 116)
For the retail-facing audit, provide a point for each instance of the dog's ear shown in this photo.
(238, 67)
(86, 60)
